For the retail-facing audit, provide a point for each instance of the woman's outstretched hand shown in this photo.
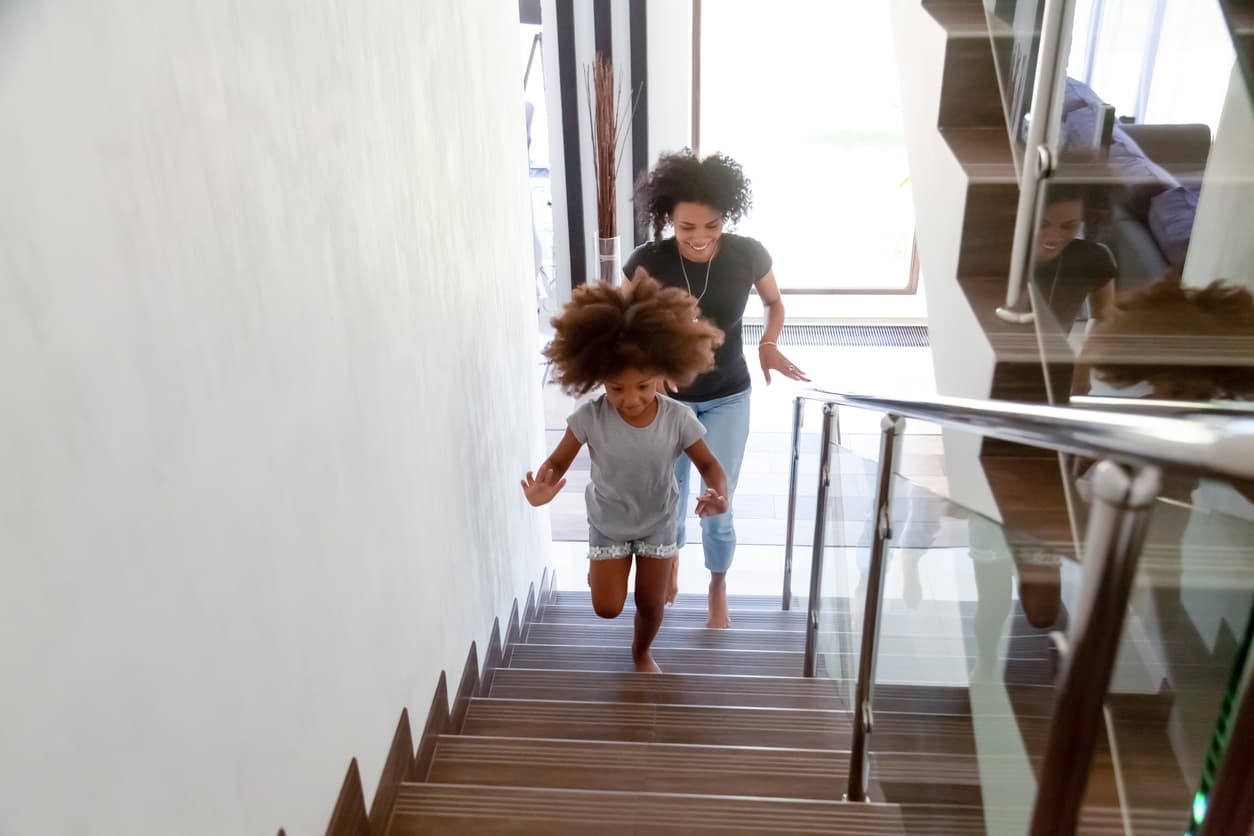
(772, 359)
(711, 504)
(541, 488)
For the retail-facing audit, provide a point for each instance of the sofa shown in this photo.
(1156, 173)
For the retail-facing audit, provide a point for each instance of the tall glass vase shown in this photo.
(610, 261)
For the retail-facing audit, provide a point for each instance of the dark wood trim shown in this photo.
(395, 769)
(466, 689)
(491, 659)
(530, 610)
(548, 583)
(638, 11)
(603, 27)
(513, 632)
(349, 817)
(1231, 804)
(696, 76)
(436, 725)
(568, 97)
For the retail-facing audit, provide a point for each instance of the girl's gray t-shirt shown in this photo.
(633, 489)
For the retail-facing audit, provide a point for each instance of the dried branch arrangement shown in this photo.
(610, 117)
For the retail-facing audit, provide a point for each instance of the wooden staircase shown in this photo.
(564, 738)
(555, 735)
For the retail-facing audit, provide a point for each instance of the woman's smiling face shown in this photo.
(697, 230)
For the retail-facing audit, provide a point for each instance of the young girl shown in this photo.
(628, 340)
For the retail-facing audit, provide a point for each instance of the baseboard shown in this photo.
(395, 770)
(491, 658)
(467, 688)
(436, 725)
(350, 816)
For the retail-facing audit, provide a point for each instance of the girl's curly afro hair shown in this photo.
(1189, 343)
(604, 331)
(715, 180)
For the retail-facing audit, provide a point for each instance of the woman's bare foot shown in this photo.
(645, 664)
(718, 601)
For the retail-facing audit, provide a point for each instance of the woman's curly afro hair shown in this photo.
(715, 180)
(604, 331)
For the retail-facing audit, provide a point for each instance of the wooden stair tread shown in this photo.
(709, 769)
(658, 723)
(960, 19)
(752, 691)
(671, 659)
(983, 153)
(641, 766)
(618, 633)
(804, 728)
(445, 808)
(932, 644)
(668, 688)
(685, 600)
(897, 621)
(684, 616)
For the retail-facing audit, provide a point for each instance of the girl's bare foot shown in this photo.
(718, 601)
(645, 664)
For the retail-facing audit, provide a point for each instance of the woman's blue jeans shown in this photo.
(726, 423)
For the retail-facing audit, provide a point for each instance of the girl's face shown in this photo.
(1060, 224)
(697, 230)
(633, 393)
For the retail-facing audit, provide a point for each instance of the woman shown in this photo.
(1067, 272)
(697, 198)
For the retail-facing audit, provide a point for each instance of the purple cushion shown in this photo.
(1171, 216)
(1077, 94)
(1140, 177)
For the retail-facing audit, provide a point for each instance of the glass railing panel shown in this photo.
(976, 604)
(1184, 636)
(1014, 36)
(1141, 262)
(965, 662)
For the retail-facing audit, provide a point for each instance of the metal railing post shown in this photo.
(890, 426)
(797, 407)
(1122, 502)
(1038, 158)
(816, 560)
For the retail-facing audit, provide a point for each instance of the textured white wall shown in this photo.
(961, 354)
(268, 352)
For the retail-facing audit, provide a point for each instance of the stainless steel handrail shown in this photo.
(1134, 450)
(1207, 444)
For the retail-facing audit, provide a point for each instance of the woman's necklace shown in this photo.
(708, 265)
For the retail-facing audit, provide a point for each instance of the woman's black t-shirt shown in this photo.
(736, 267)
(1064, 283)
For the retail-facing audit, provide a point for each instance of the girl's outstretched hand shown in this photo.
(710, 504)
(541, 488)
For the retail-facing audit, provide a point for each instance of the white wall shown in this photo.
(669, 27)
(961, 354)
(1221, 246)
(267, 332)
